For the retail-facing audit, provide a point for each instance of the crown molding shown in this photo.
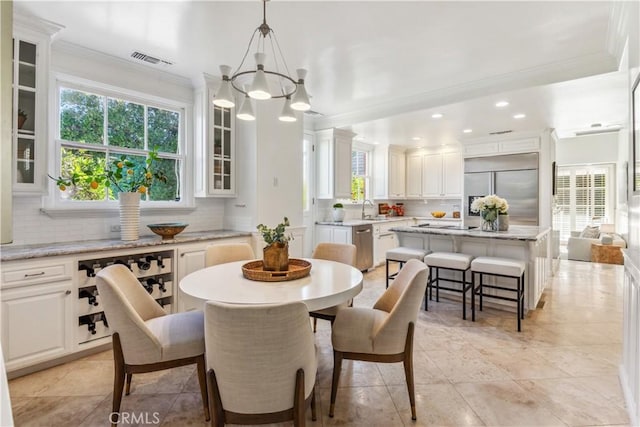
(573, 68)
(33, 23)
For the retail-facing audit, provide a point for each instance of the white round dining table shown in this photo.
(329, 283)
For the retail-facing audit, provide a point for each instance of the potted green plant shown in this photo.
(22, 117)
(338, 212)
(275, 256)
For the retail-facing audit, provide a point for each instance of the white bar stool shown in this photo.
(447, 261)
(401, 255)
(500, 267)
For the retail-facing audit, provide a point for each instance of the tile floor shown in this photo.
(560, 370)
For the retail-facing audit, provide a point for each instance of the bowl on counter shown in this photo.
(438, 214)
(167, 230)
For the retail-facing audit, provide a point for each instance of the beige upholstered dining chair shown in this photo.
(145, 338)
(228, 252)
(383, 333)
(339, 252)
(261, 362)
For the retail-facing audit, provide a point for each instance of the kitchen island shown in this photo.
(530, 244)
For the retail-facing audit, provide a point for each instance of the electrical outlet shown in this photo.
(115, 228)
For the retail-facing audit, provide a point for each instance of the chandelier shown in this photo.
(262, 83)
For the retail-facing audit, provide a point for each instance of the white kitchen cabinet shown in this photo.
(385, 239)
(414, 175)
(389, 166)
(333, 234)
(215, 145)
(37, 312)
(31, 48)
(190, 258)
(434, 174)
(490, 147)
(333, 157)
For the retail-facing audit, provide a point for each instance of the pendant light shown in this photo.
(267, 80)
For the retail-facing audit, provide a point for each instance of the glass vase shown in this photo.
(489, 220)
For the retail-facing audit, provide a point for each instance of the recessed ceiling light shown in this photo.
(501, 104)
(436, 115)
(467, 131)
(375, 143)
(416, 138)
(519, 116)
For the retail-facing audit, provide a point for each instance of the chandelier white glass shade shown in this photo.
(263, 83)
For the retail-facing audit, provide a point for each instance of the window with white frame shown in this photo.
(97, 128)
(584, 196)
(360, 161)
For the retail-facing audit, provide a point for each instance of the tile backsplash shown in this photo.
(417, 208)
(32, 226)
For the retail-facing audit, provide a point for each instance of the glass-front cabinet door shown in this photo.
(221, 138)
(31, 49)
(25, 102)
(215, 144)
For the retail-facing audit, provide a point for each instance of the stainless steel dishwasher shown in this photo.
(362, 237)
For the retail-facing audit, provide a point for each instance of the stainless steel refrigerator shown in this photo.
(513, 177)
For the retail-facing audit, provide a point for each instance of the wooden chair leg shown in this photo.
(215, 403)
(202, 379)
(298, 400)
(313, 404)
(408, 370)
(337, 366)
(118, 379)
(127, 390)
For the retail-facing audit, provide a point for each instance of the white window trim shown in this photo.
(360, 146)
(54, 206)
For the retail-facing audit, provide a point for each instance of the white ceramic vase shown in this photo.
(129, 215)
(338, 214)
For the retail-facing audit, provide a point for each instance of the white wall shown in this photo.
(269, 166)
(601, 148)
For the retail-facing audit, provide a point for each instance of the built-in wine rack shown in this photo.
(154, 272)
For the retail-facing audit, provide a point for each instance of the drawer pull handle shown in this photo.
(35, 274)
(67, 292)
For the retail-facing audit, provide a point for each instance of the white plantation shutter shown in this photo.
(584, 197)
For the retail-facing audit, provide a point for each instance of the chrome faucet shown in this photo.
(364, 202)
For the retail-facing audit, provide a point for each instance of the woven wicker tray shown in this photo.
(297, 268)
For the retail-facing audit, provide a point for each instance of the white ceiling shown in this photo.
(382, 68)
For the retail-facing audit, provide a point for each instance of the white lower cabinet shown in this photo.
(333, 234)
(37, 322)
(190, 258)
(384, 239)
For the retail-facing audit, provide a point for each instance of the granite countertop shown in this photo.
(515, 232)
(16, 252)
(354, 222)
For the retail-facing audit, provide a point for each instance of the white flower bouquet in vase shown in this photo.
(490, 207)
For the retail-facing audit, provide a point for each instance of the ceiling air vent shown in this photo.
(500, 132)
(150, 59)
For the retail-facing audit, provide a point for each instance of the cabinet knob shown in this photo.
(67, 292)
